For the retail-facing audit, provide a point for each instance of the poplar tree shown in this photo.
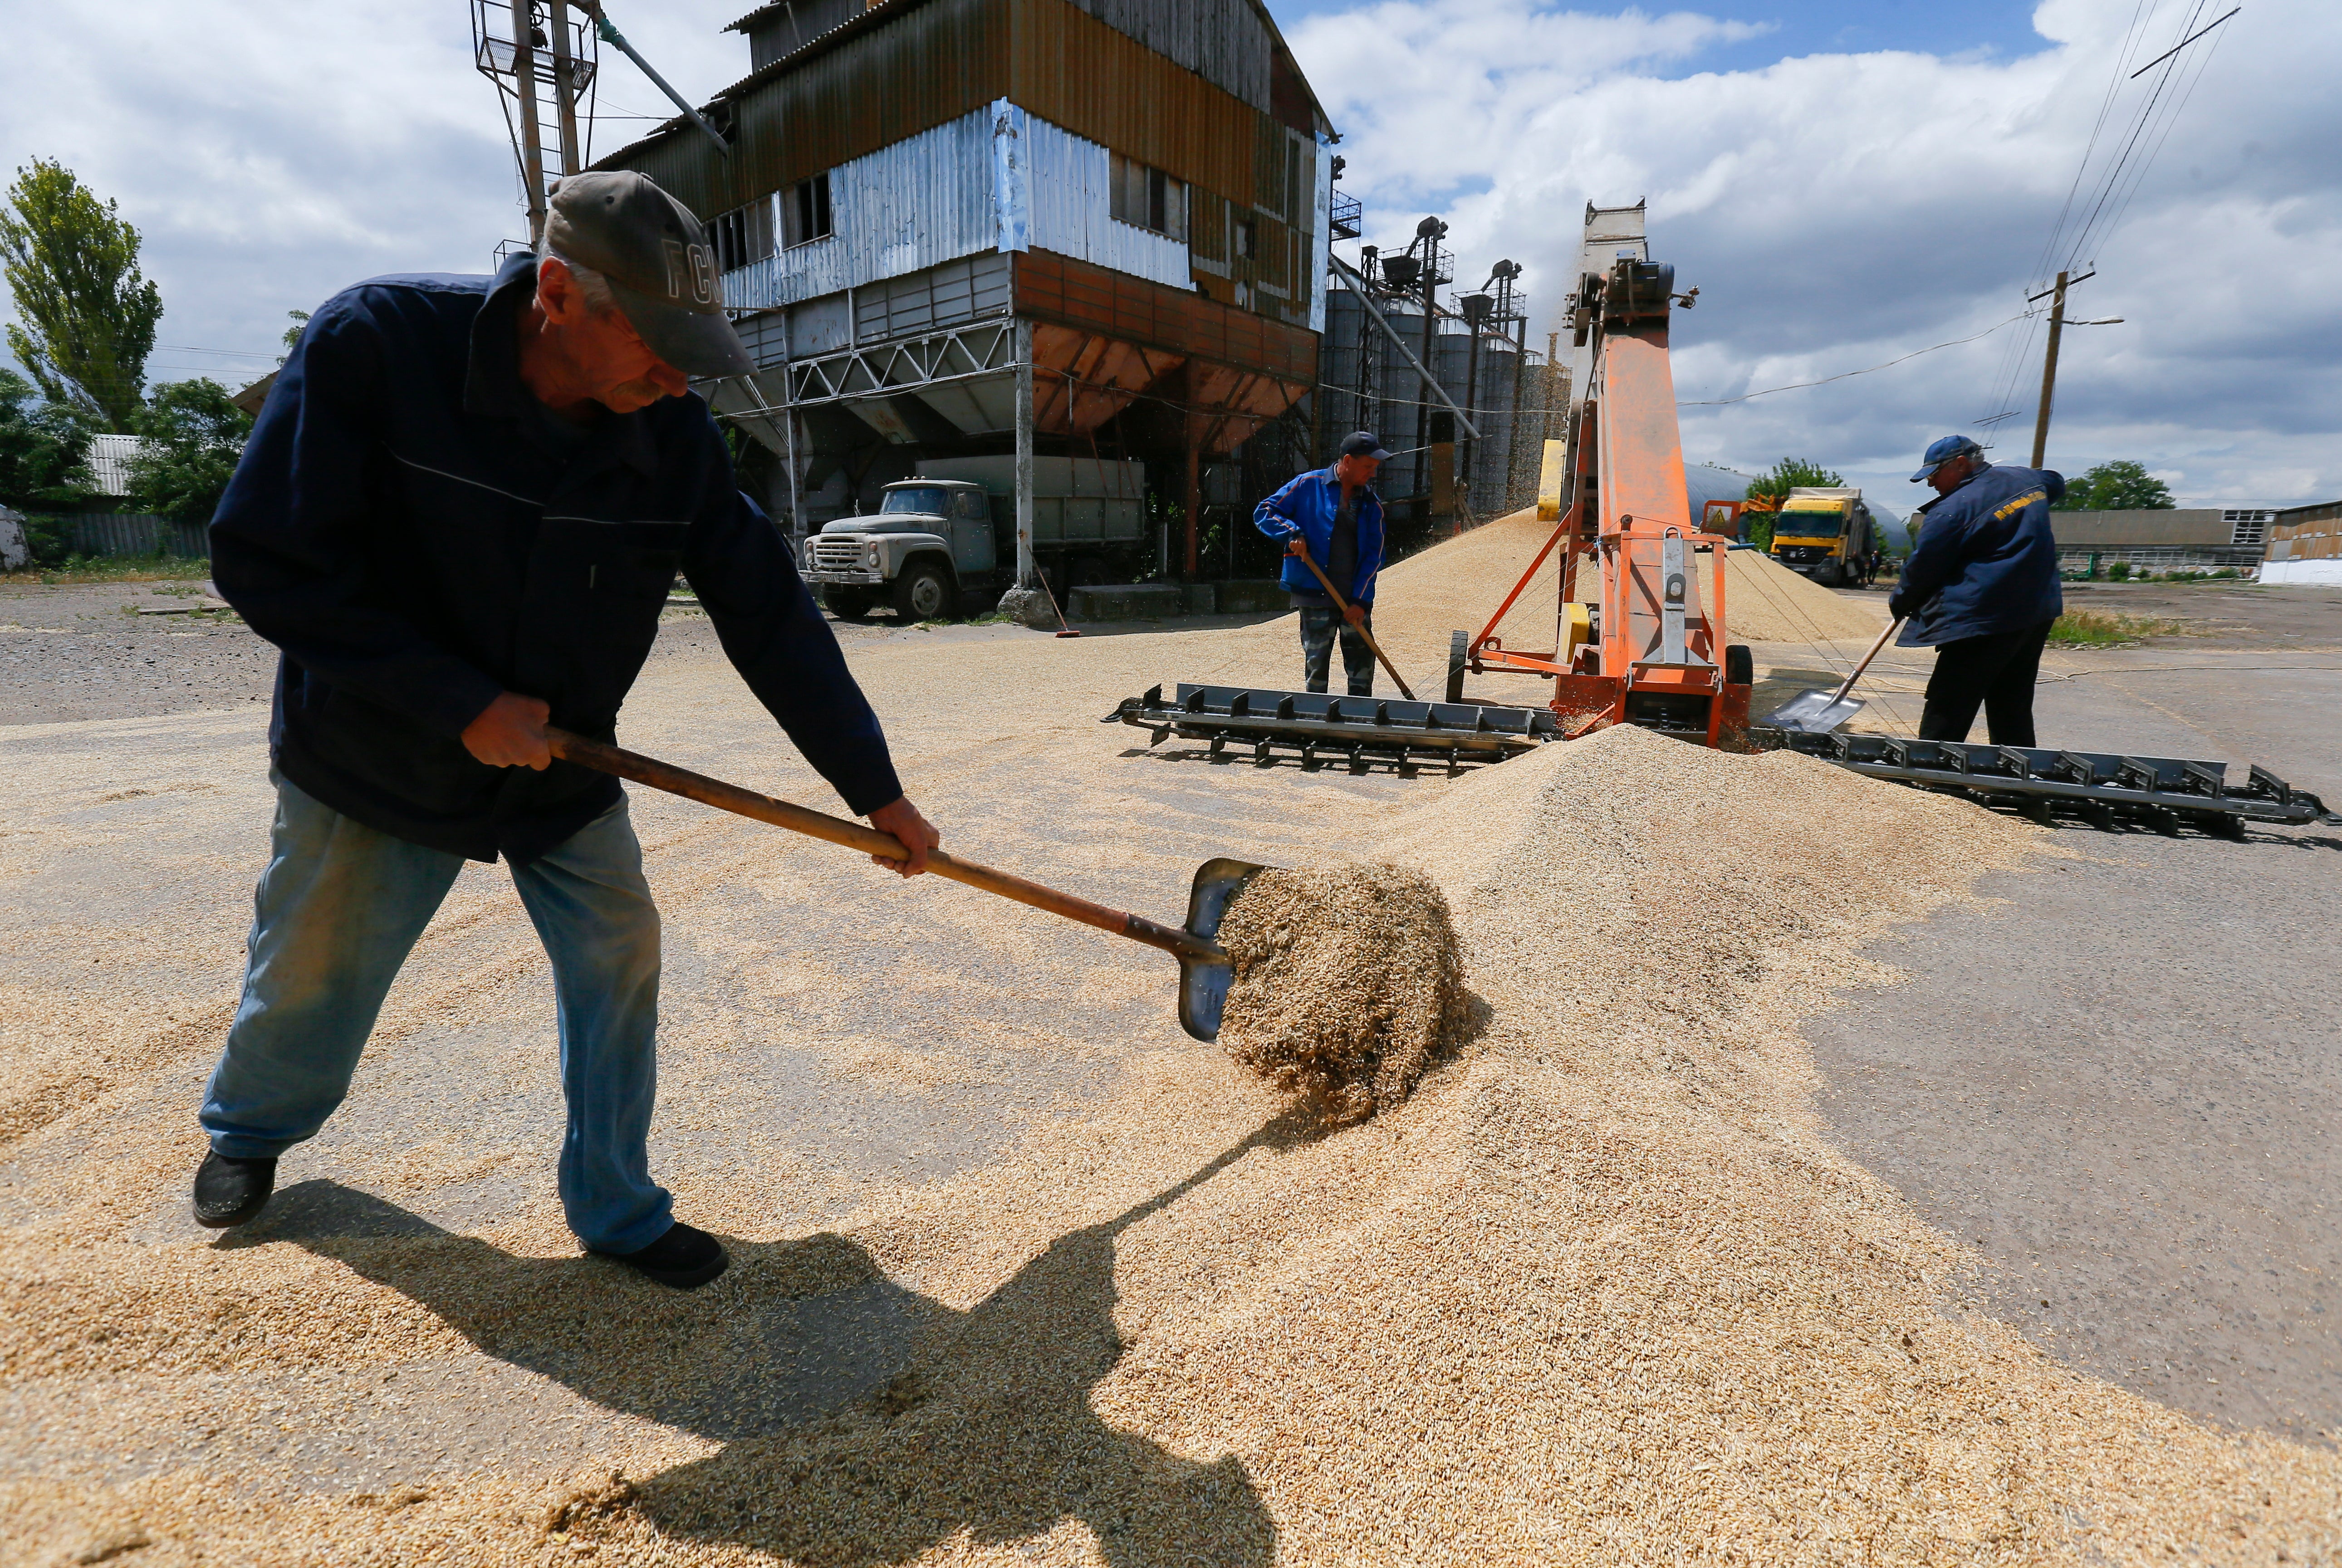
(88, 315)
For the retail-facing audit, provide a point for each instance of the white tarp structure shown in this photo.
(2325, 573)
(15, 550)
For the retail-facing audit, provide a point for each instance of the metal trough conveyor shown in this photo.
(1365, 729)
(2104, 787)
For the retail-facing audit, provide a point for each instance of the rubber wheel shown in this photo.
(1739, 665)
(845, 603)
(923, 593)
(1459, 648)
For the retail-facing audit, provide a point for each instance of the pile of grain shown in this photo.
(1348, 982)
(1600, 1291)
(1461, 582)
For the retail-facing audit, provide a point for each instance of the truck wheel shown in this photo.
(845, 603)
(923, 593)
(1459, 648)
(1739, 665)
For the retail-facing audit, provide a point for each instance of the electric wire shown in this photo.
(1843, 376)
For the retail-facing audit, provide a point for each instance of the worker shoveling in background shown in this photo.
(1332, 516)
(458, 517)
(1981, 589)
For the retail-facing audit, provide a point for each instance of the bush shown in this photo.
(50, 539)
(2228, 572)
(2119, 572)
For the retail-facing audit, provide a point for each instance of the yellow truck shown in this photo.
(1825, 534)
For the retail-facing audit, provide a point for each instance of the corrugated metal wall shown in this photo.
(1223, 41)
(136, 534)
(1075, 71)
(942, 60)
(931, 66)
(923, 200)
(1071, 210)
(932, 198)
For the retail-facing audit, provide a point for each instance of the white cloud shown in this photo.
(272, 151)
(1837, 210)
(1841, 210)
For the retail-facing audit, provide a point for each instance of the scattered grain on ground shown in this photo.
(1600, 1291)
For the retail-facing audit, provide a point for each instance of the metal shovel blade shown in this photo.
(1205, 978)
(1815, 712)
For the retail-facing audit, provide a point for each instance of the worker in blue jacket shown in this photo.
(1332, 516)
(1981, 589)
(459, 518)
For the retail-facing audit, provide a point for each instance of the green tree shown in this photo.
(193, 433)
(2118, 486)
(88, 314)
(44, 449)
(1794, 473)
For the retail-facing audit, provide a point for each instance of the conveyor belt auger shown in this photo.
(1361, 730)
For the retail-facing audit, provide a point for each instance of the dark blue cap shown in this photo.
(1942, 451)
(1359, 444)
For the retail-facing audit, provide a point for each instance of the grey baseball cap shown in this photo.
(659, 263)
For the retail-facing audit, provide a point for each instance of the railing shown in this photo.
(1345, 217)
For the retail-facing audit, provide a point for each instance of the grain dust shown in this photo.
(1348, 982)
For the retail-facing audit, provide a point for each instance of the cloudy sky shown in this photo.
(1846, 180)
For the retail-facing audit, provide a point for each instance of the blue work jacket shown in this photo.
(1305, 506)
(1985, 561)
(416, 536)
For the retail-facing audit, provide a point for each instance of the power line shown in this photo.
(232, 353)
(2191, 38)
(1842, 376)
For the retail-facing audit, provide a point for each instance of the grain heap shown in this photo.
(1461, 582)
(1600, 1291)
(1347, 983)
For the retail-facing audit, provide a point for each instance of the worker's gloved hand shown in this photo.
(902, 822)
(1898, 608)
(510, 733)
(1355, 614)
(1295, 545)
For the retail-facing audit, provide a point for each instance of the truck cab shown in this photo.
(929, 539)
(1825, 534)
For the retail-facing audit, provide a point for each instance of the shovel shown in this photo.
(1204, 972)
(1819, 711)
(1344, 605)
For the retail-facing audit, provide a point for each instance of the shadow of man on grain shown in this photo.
(865, 1423)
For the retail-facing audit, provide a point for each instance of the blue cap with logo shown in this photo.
(1942, 451)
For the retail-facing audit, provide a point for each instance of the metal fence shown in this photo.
(135, 534)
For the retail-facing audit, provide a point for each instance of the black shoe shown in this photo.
(684, 1258)
(229, 1192)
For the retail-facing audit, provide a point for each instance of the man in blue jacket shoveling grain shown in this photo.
(1981, 589)
(458, 517)
(1332, 516)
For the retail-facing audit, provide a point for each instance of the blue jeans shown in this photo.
(1317, 629)
(336, 913)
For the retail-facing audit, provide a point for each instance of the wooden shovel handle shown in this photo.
(837, 830)
(1856, 674)
(1344, 605)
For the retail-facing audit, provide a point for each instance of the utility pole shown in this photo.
(531, 135)
(2049, 373)
(565, 86)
